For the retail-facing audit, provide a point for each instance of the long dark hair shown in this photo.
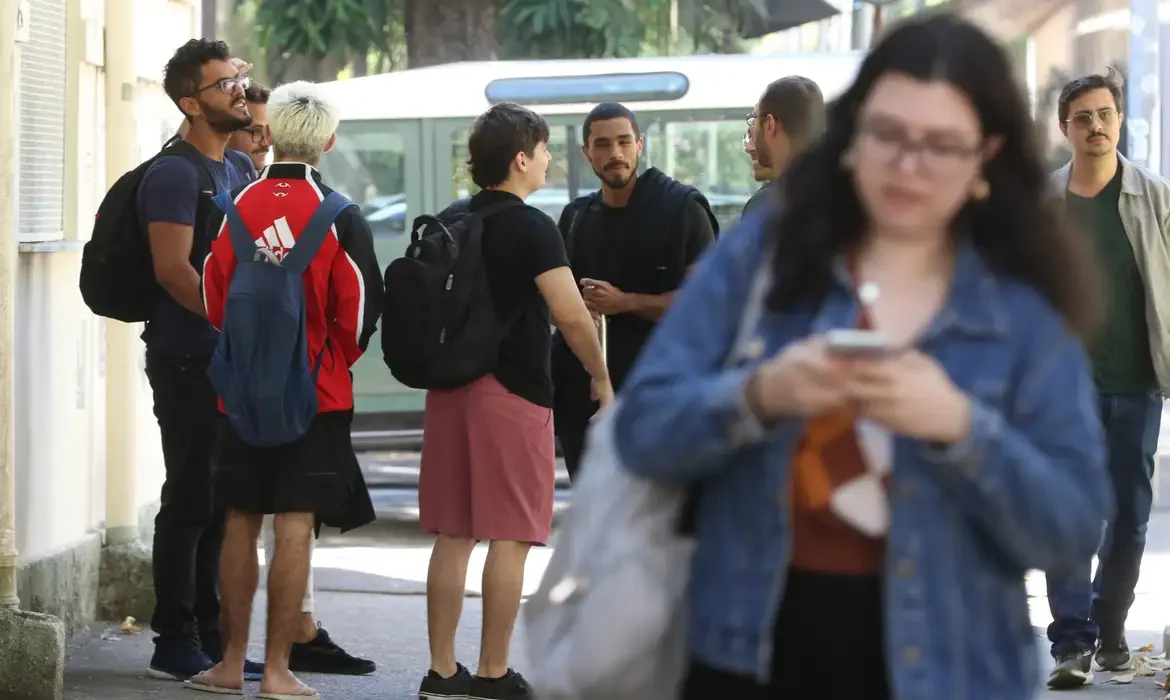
(1019, 229)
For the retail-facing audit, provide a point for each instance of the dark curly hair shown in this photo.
(184, 71)
(1019, 230)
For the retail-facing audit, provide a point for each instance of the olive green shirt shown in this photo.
(1144, 207)
(1120, 352)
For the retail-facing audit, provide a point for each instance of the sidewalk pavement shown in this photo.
(370, 587)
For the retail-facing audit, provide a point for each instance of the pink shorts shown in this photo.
(488, 465)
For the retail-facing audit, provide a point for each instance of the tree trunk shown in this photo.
(361, 63)
(446, 31)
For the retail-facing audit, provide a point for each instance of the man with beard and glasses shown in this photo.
(786, 120)
(1124, 209)
(630, 246)
(174, 202)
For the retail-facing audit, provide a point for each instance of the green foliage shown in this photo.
(321, 28)
(616, 28)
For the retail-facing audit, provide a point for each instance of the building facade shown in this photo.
(61, 491)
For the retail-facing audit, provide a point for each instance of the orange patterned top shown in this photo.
(828, 456)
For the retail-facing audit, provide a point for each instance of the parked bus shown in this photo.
(402, 149)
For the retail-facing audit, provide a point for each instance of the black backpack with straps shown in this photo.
(439, 326)
(117, 273)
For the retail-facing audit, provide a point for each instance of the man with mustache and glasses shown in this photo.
(1124, 210)
(788, 117)
(174, 204)
(254, 139)
(630, 246)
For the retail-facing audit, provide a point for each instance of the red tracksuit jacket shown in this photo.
(343, 285)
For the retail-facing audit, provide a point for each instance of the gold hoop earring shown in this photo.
(847, 159)
(980, 190)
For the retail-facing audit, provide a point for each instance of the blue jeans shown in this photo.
(1084, 610)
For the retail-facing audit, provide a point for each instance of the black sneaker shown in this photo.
(1073, 669)
(1113, 655)
(322, 655)
(435, 687)
(213, 647)
(177, 659)
(511, 686)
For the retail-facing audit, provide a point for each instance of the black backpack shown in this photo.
(439, 328)
(117, 273)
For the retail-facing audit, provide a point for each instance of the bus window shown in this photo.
(375, 163)
(708, 155)
(559, 189)
(368, 164)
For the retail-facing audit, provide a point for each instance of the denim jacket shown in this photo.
(1145, 214)
(1027, 489)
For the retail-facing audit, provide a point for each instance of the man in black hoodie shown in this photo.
(630, 245)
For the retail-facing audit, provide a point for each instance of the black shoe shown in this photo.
(322, 655)
(177, 659)
(1113, 655)
(213, 647)
(511, 686)
(435, 687)
(1073, 669)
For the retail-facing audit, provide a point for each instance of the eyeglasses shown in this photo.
(1085, 120)
(227, 85)
(256, 132)
(751, 120)
(888, 143)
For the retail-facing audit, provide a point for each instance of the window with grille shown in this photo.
(42, 123)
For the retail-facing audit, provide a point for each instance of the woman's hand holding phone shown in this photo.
(802, 380)
(907, 392)
(910, 394)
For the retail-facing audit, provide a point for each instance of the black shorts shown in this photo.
(317, 474)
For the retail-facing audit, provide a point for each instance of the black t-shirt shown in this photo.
(520, 244)
(605, 241)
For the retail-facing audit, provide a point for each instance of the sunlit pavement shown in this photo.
(370, 587)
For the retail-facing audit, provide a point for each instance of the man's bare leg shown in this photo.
(239, 574)
(308, 629)
(446, 587)
(503, 584)
(287, 577)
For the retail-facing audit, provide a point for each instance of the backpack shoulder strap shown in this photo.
(753, 310)
(580, 207)
(243, 243)
(311, 238)
(181, 148)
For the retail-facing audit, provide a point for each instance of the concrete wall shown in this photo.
(60, 402)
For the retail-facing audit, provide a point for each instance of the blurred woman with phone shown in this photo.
(914, 423)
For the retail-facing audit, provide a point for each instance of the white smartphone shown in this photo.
(857, 343)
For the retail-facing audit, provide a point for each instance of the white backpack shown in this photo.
(608, 621)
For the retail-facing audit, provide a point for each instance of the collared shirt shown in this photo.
(1144, 205)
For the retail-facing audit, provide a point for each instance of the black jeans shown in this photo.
(188, 532)
(818, 613)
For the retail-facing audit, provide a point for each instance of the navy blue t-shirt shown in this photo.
(169, 193)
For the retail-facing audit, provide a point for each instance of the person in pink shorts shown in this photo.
(488, 456)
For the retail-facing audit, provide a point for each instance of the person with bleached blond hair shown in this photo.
(283, 458)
